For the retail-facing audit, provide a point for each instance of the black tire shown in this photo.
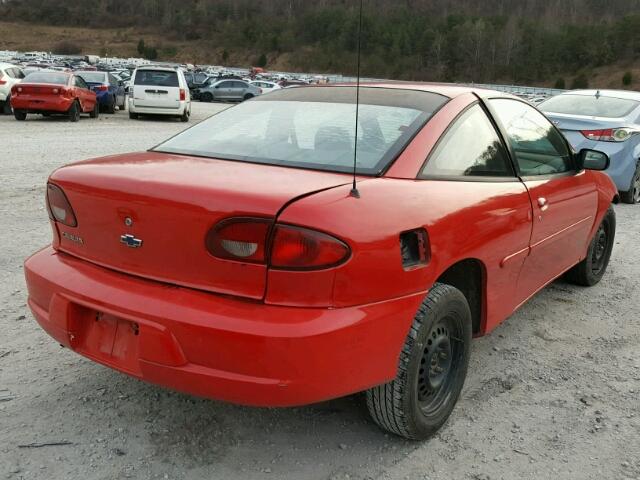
(95, 113)
(184, 118)
(248, 96)
(133, 116)
(591, 270)
(123, 107)
(206, 97)
(74, 112)
(632, 196)
(20, 115)
(419, 400)
(6, 107)
(46, 114)
(111, 108)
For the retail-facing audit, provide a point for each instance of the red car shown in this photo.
(50, 93)
(235, 261)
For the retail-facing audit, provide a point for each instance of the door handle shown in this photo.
(543, 203)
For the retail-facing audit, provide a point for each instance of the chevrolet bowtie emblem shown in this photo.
(130, 241)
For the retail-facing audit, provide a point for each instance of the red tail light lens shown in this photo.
(103, 88)
(609, 134)
(2, 80)
(296, 248)
(183, 95)
(59, 207)
(240, 239)
(284, 247)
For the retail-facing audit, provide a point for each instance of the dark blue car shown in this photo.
(108, 89)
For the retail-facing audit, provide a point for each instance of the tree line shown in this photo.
(450, 40)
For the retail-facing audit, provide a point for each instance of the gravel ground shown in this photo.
(552, 393)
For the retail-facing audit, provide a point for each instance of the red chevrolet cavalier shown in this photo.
(235, 262)
(53, 93)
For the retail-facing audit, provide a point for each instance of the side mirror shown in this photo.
(593, 160)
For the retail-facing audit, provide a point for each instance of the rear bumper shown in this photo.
(215, 346)
(147, 110)
(33, 103)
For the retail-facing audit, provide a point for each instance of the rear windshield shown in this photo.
(92, 77)
(47, 77)
(590, 106)
(313, 128)
(158, 78)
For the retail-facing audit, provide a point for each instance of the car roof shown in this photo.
(446, 89)
(157, 68)
(622, 94)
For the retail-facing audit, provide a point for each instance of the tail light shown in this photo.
(2, 80)
(55, 91)
(260, 91)
(295, 248)
(284, 247)
(241, 239)
(609, 134)
(59, 207)
(103, 88)
(183, 94)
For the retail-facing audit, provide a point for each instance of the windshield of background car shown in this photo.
(158, 78)
(92, 77)
(313, 127)
(591, 106)
(47, 77)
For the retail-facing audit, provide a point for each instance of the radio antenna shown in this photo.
(354, 189)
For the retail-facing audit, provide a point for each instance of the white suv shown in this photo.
(159, 91)
(9, 76)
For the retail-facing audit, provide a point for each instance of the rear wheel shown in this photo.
(206, 97)
(6, 107)
(133, 116)
(633, 195)
(248, 96)
(591, 270)
(111, 108)
(432, 368)
(185, 116)
(74, 112)
(95, 113)
(20, 115)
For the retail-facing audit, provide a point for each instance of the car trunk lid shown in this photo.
(148, 214)
(572, 126)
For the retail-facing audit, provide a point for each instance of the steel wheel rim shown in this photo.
(601, 245)
(441, 357)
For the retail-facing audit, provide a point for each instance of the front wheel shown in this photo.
(248, 96)
(20, 115)
(632, 196)
(432, 368)
(591, 270)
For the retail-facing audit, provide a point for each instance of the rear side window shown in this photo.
(158, 78)
(539, 148)
(470, 148)
(591, 106)
(93, 77)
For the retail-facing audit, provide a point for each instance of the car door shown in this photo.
(238, 90)
(564, 201)
(472, 167)
(84, 94)
(223, 90)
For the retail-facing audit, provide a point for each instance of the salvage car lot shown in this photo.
(551, 393)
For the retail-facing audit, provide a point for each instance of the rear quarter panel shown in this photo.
(489, 222)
